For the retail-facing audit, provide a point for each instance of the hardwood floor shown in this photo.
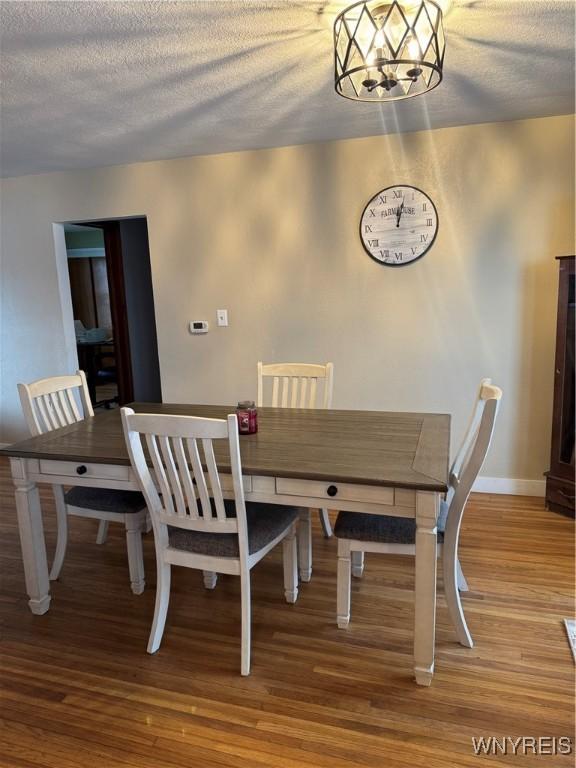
(78, 688)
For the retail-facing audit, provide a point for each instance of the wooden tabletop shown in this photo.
(406, 450)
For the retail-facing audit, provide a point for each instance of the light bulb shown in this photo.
(379, 39)
(413, 49)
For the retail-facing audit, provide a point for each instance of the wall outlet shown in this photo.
(222, 317)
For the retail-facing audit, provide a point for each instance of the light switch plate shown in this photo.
(222, 317)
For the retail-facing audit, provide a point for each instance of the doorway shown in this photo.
(113, 308)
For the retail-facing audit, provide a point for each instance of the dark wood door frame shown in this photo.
(116, 288)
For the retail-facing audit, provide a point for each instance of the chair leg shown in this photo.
(325, 522)
(290, 563)
(134, 525)
(343, 585)
(357, 564)
(246, 621)
(102, 534)
(62, 532)
(305, 545)
(455, 611)
(160, 606)
(460, 578)
(210, 579)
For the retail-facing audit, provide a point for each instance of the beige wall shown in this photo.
(273, 237)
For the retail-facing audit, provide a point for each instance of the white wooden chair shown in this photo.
(50, 404)
(360, 533)
(299, 385)
(193, 525)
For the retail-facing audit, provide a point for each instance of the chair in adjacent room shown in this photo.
(299, 385)
(194, 526)
(57, 402)
(358, 533)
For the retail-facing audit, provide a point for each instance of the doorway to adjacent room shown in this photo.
(110, 283)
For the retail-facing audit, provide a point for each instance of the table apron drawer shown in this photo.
(227, 483)
(328, 491)
(78, 469)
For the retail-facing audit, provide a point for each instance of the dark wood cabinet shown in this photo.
(560, 476)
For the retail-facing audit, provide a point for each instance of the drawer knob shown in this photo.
(81, 470)
(332, 490)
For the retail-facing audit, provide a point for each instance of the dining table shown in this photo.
(377, 462)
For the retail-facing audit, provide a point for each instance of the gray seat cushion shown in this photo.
(265, 522)
(105, 499)
(380, 528)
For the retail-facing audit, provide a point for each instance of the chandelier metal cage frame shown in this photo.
(387, 50)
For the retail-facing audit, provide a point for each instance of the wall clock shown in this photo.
(398, 225)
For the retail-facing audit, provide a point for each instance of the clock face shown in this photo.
(398, 225)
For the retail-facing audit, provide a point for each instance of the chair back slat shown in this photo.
(67, 413)
(303, 389)
(160, 473)
(472, 453)
(69, 396)
(467, 446)
(313, 390)
(181, 452)
(185, 477)
(51, 403)
(285, 388)
(43, 407)
(295, 385)
(215, 486)
(469, 435)
(275, 385)
(57, 411)
(200, 478)
(172, 475)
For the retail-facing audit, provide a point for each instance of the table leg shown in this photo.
(31, 538)
(305, 545)
(427, 506)
(357, 564)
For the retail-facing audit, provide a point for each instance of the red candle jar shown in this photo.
(247, 416)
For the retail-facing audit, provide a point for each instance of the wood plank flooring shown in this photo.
(78, 689)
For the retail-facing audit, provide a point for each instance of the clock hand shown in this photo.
(399, 214)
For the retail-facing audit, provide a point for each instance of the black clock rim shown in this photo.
(412, 261)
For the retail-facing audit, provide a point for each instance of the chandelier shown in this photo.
(386, 51)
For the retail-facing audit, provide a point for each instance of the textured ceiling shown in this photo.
(89, 84)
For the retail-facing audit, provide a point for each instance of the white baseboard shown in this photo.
(510, 485)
